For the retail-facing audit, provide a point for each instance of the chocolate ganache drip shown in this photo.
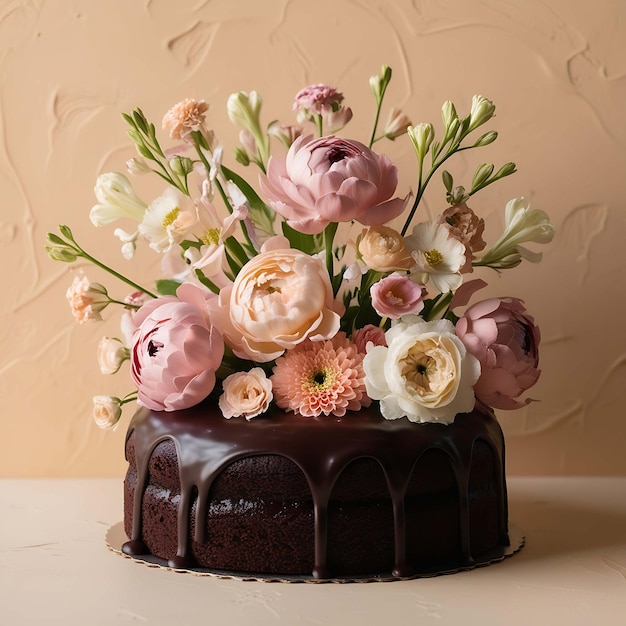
(206, 443)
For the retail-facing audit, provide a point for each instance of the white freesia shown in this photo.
(437, 255)
(111, 354)
(106, 411)
(521, 225)
(424, 373)
(165, 223)
(246, 394)
(116, 199)
(129, 242)
(482, 111)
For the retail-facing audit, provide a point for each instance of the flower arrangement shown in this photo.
(300, 291)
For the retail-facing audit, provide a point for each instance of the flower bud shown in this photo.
(397, 124)
(241, 156)
(181, 165)
(378, 84)
(116, 199)
(482, 174)
(486, 139)
(449, 117)
(421, 136)
(481, 112)
(137, 166)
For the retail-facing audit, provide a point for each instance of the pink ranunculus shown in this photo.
(396, 295)
(331, 180)
(369, 334)
(504, 338)
(176, 350)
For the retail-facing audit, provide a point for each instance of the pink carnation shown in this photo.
(185, 117)
(319, 377)
(396, 295)
(331, 180)
(504, 338)
(176, 351)
(318, 99)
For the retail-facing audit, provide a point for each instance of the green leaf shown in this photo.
(448, 181)
(206, 282)
(261, 215)
(301, 241)
(167, 287)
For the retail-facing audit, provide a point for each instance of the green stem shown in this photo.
(379, 105)
(117, 275)
(319, 122)
(329, 235)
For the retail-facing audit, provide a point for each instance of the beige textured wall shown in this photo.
(556, 70)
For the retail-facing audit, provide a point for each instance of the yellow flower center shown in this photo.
(433, 257)
(170, 218)
(211, 237)
(320, 379)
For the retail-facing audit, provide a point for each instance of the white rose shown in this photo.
(111, 354)
(246, 394)
(424, 373)
(106, 411)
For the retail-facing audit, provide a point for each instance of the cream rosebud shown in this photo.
(106, 411)
(421, 136)
(482, 111)
(111, 354)
(382, 249)
(246, 394)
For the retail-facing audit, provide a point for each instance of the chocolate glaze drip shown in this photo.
(321, 447)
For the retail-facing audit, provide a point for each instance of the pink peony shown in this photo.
(176, 350)
(331, 180)
(396, 295)
(369, 334)
(505, 340)
(321, 377)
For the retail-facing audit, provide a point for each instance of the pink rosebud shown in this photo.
(396, 295)
(331, 180)
(176, 350)
(369, 334)
(504, 338)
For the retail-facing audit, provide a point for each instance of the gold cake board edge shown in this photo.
(115, 537)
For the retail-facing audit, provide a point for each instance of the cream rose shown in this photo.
(111, 354)
(246, 394)
(106, 411)
(382, 249)
(280, 298)
(425, 373)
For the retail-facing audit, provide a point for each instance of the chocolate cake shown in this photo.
(323, 497)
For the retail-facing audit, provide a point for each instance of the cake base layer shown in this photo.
(326, 497)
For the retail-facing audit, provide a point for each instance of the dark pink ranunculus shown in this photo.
(331, 180)
(504, 338)
(176, 350)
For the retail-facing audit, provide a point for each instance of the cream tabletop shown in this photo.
(56, 569)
